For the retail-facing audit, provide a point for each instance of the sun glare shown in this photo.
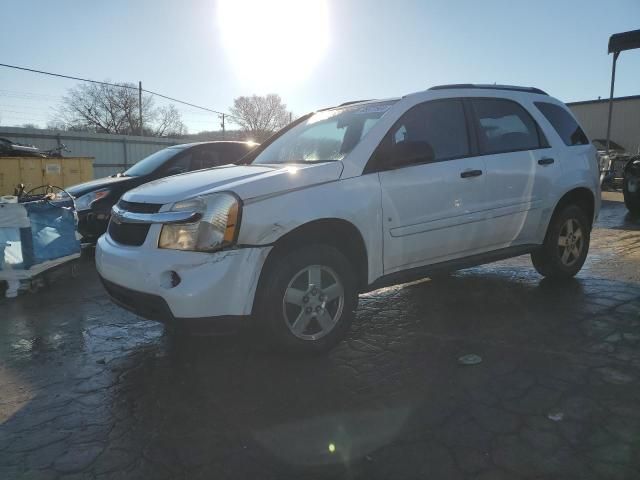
(273, 43)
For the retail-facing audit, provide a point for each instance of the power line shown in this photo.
(27, 95)
(66, 76)
(28, 107)
(187, 103)
(131, 87)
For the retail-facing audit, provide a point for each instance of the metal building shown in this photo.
(625, 125)
(112, 153)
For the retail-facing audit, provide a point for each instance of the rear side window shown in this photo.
(229, 152)
(440, 123)
(206, 158)
(564, 124)
(505, 126)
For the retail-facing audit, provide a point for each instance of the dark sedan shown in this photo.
(94, 199)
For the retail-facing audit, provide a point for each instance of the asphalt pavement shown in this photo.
(88, 390)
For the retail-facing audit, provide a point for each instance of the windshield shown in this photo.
(325, 136)
(152, 162)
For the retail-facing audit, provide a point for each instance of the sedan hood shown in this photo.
(82, 188)
(246, 181)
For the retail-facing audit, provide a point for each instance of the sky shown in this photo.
(313, 53)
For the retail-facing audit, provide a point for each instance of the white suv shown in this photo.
(353, 198)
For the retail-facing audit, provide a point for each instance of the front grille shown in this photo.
(133, 234)
(139, 207)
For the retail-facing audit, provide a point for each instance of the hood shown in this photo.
(246, 181)
(100, 183)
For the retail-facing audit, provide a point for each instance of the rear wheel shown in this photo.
(566, 244)
(308, 298)
(631, 191)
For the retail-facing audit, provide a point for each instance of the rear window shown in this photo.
(564, 124)
(504, 126)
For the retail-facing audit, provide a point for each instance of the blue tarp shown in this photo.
(51, 235)
(53, 232)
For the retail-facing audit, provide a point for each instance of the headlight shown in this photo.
(217, 228)
(84, 202)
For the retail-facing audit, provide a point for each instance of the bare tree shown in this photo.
(114, 109)
(260, 116)
(168, 122)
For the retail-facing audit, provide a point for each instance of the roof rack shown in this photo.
(490, 87)
(354, 101)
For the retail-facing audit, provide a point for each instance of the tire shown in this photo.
(311, 319)
(553, 260)
(631, 192)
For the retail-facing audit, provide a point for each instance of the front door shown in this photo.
(432, 211)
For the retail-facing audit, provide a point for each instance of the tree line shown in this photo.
(108, 108)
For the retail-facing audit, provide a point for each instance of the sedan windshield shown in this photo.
(149, 164)
(325, 136)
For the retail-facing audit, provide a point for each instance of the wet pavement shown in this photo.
(88, 390)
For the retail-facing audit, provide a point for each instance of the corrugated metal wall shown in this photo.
(112, 153)
(625, 124)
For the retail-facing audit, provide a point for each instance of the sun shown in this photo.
(273, 43)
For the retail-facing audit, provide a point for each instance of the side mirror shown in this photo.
(409, 153)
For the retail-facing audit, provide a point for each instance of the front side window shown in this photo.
(180, 164)
(325, 136)
(153, 162)
(504, 126)
(439, 123)
(563, 123)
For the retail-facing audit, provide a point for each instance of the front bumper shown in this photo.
(220, 284)
(154, 307)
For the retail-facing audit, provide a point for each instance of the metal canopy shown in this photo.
(619, 42)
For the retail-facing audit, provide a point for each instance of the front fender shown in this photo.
(632, 167)
(356, 200)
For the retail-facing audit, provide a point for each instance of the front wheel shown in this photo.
(307, 299)
(566, 244)
(631, 192)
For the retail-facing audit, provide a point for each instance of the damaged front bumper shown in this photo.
(191, 285)
(92, 224)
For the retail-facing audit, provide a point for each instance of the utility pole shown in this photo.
(290, 117)
(140, 105)
(223, 131)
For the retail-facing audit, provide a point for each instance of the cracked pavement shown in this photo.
(88, 390)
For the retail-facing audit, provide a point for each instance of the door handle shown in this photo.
(470, 173)
(546, 161)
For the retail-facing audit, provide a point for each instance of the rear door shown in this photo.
(431, 211)
(520, 169)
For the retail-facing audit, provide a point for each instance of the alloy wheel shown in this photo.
(313, 302)
(570, 242)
